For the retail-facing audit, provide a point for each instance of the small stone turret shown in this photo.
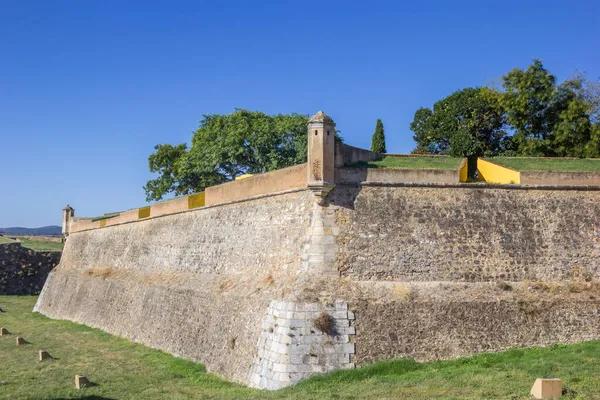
(67, 216)
(321, 154)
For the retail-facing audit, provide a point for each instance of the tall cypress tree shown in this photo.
(378, 141)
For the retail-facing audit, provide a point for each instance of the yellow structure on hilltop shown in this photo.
(494, 173)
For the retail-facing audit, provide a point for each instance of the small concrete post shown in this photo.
(44, 355)
(545, 388)
(20, 341)
(3, 331)
(81, 381)
(67, 216)
(321, 154)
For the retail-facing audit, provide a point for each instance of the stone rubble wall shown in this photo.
(421, 234)
(24, 271)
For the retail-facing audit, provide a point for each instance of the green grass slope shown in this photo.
(39, 245)
(4, 239)
(548, 164)
(449, 163)
(125, 370)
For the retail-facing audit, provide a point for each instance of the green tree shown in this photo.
(225, 146)
(550, 119)
(378, 140)
(527, 100)
(545, 118)
(467, 123)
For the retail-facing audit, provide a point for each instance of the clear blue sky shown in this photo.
(87, 88)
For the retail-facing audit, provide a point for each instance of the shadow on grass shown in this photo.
(85, 398)
(382, 368)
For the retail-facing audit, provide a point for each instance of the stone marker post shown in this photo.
(547, 388)
(81, 381)
(44, 355)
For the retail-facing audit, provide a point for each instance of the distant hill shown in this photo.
(51, 230)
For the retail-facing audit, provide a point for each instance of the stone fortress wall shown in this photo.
(24, 271)
(270, 279)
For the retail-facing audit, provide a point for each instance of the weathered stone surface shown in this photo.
(437, 329)
(419, 270)
(195, 284)
(292, 348)
(461, 234)
(24, 271)
(255, 235)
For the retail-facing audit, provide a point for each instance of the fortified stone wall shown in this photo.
(423, 273)
(195, 284)
(440, 272)
(24, 271)
(337, 268)
(474, 234)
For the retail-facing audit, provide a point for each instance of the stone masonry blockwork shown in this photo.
(291, 348)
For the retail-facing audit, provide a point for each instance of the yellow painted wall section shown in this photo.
(143, 212)
(196, 200)
(103, 223)
(237, 178)
(463, 173)
(493, 173)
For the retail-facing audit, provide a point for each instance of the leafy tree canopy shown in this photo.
(378, 140)
(225, 146)
(469, 122)
(545, 118)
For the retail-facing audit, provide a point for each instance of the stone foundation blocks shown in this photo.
(295, 349)
(3, 332)
(20, 341)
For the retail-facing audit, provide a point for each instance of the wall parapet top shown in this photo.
(476, 185)
(226, 203)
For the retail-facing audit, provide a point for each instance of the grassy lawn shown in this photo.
(4, 239)
(125, 370)
(413, 163)
(547, 164)
(38, 245)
